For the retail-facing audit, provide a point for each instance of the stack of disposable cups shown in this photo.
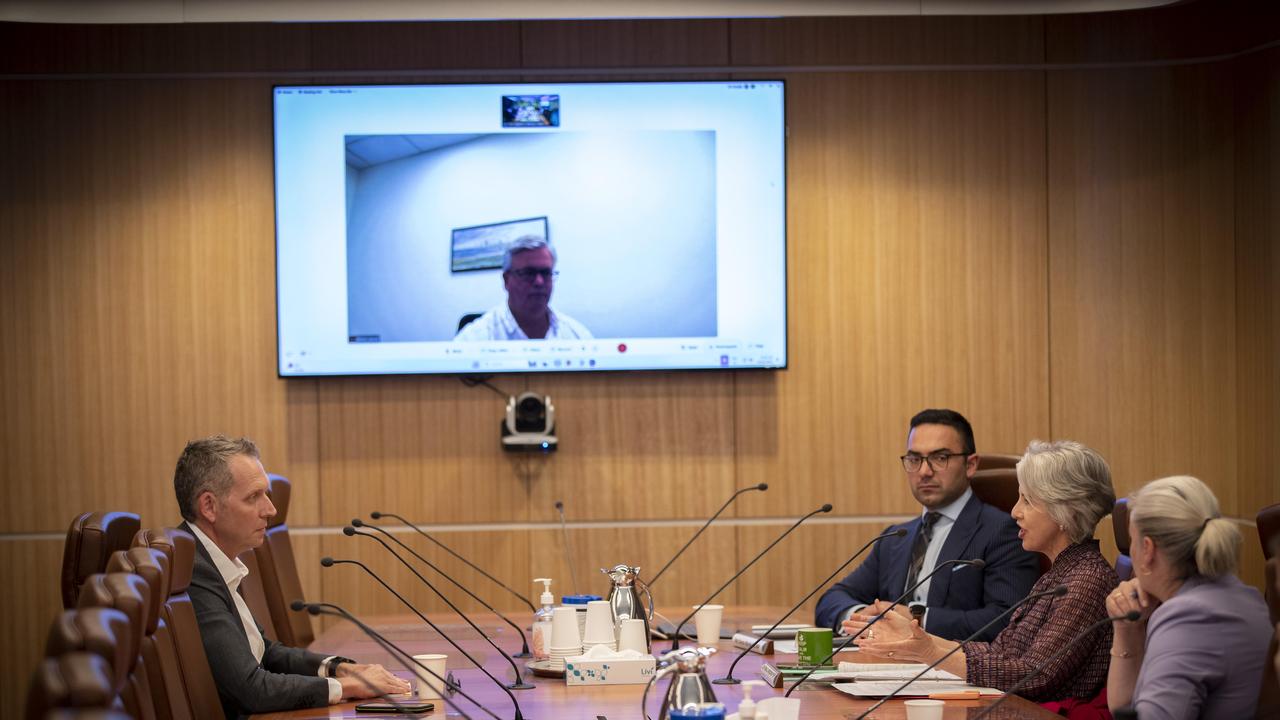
(631, 635)
(599, 630)
(565, 640)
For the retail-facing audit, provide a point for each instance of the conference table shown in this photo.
(551, 698)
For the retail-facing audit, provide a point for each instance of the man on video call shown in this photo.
(953, 524)
(528, 271)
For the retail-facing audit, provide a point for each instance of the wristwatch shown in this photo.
(332, 670)
(917, 610)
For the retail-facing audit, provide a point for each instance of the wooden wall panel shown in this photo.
(649, 445)
(29, 608)
(800, 562)
(1141, 302)
(427, 448)
(916, 264)
(887, 41)
(709, 562)
(1257, 267)
(141, 280)
(624, 43)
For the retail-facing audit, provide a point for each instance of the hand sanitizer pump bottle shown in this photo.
(542, 622)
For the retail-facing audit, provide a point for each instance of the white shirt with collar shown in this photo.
(234, 572)
(499, 324)
(947, 517)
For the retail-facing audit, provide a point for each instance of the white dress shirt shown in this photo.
(499, 324)
(233, 572)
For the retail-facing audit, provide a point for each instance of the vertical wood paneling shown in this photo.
(916, 264)
(1257, 266)
(1085, 254)
(1142, 276)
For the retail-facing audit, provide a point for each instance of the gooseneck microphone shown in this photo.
(524, 649)
(568, 549)
(1130, 616)
(518, 684)
(729, 679)
(761, 486)
(1057, 591)
(675, 636)
(975, 562)
(390, 647)
(379, 515)
(330, 562)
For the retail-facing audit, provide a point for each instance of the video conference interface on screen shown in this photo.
(522, 228)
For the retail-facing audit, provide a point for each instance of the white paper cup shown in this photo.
(780, 708)
(430, 688)
(599, 627)
(631, 636)
(707, 622)
(564, 629)
(923, 709)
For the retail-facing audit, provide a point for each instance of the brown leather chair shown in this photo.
(91, 539)
(72, 680)
(131, 595)
(105, 632)
(159, 656)
(997, 488)
(181, 618)
(280, 579)
(255, 595)
(997, 461)
(1269, 530)
(1120, 524)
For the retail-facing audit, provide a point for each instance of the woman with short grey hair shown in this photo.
(1200, 648)
(1064, 489)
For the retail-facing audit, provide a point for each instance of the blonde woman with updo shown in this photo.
(1199, 649)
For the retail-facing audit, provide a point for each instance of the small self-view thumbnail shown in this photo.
(531, 111)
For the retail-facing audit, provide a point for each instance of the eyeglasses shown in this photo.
(528, 274)
(938, 460)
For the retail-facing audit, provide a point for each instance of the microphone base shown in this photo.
(519, 686)
(523, 655)
(726, 681)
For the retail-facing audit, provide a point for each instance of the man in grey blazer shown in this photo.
(221, 490)
(953, 525)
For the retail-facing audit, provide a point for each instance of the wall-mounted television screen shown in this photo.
(530, 227)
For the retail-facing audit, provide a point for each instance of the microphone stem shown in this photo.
(879, 615)
(396, 651)
(729, 675)
(524, 641)
(695, 535)
(470, 564)
(514, 669)
(568, 549)
(675, 636)
(954, 650)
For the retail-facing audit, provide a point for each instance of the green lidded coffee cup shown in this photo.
(813, 645)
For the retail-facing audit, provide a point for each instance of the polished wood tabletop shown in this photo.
(551, 698)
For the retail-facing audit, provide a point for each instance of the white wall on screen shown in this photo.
(631, 214)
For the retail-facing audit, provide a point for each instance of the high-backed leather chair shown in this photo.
(179, 614)
(280, 578)
(159, 656)
(105, 632)
(1120, 523)
(131, 595)
(255, 594)
(1269, 530)
(997, 488)
(91, 539)
(997, 461)
(72, 680)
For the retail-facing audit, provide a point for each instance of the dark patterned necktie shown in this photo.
(920, 547)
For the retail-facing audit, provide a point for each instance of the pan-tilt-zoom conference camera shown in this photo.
(530, 425)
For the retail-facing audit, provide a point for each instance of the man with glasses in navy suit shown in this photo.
(953, 525)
